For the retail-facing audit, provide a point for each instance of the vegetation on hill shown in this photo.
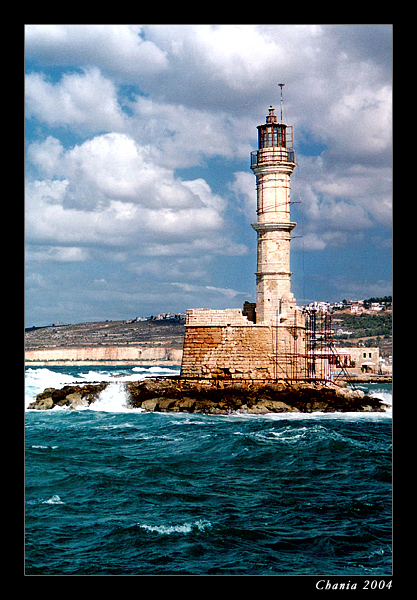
(366, 329)
(369, 330)
(365, 325)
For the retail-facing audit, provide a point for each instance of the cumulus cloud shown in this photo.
(216, 79)
(118, 49)
(111, 194)
(200, 133)
(366, 135)
(244, 192)
(114, 167)
(116, 112)
(244, 61)
(341, 200)
(87, 101)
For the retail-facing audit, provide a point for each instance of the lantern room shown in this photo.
(275, 142)
(272, 134)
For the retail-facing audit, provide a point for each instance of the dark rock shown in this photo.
(173, 394)
(44, 403)
(150, 404)
(186, 405)
(68, 395)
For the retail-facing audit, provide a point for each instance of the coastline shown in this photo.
(104, 363)
(367, 378)
(354, 378)
(175, 394)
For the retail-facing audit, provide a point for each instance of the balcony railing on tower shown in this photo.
(271, 155)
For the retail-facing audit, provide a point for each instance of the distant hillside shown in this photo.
(107, 333)
(367, 329)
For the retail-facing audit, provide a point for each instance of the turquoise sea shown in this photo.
(112, 490)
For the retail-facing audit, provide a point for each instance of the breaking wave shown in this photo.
(114, 491)
(113, 398)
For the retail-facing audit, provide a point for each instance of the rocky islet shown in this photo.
(173, 394)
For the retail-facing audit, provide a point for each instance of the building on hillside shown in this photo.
(364, 359)
(332, 359)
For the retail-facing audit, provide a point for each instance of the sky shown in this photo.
(139, 195)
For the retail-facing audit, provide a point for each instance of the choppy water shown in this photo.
(112, 490)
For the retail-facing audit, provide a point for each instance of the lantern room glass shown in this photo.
(272, 136)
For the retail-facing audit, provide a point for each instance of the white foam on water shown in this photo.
(383, 395)
(164, 370)
(54, 500)
(115, 398)
(200, 525)
(297, 416)
(39, 447)
(332, 415)
(38, 379)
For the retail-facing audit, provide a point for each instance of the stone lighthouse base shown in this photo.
(225, 344)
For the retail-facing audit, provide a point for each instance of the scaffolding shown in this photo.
(323, 361)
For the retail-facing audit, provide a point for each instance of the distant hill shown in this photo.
(106, 333)
(368, 329)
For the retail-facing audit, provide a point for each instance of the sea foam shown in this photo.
(54, 500)
(40, 378)
(115, 398)
(200, 525)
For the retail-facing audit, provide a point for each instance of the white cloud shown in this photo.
(192, 288)
(216, 80)
(114, 167)
(312, 241)
(360, 122)
(243, 61)
(57, 254)
(49, 222)
(46, 156)
(143, 101)
(342, 201)
(166, 127)
(241, 52)
(81, 100)
(244, 193)
(118, 49)
(111, 195)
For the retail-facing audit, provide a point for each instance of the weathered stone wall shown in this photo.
(243, 352)
(208, 316)
(227, 352)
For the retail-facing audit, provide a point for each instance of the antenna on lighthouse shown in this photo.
(281, 85)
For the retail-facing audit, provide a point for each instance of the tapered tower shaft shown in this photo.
(273, 164)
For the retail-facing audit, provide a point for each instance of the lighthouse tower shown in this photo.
(265, 341)
(273, 164)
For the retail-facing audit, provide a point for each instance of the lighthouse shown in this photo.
(273, 164)
(265, 341)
